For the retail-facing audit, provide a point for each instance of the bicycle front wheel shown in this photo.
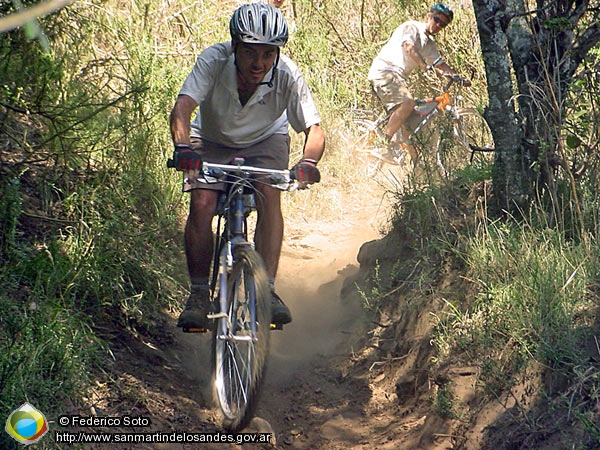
(475, 135)
(241, 339)
(475, 143)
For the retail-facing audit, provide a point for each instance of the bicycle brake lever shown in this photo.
(214, 172)
(433, 64)
(299, 185)
(278, 179)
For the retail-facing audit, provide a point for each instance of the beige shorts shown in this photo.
(391, 90)
(272, 153)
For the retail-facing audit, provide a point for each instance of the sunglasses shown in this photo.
(439, 21)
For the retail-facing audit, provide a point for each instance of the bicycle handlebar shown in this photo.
(458, 79)
(277, 178)
(282, 179)
(218, 171)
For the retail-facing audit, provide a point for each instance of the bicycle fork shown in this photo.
(225, 328)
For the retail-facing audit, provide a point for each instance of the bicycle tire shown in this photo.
(472, 133)
(239, 348)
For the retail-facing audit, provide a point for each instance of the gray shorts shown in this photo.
(272, 153)
(391, 90)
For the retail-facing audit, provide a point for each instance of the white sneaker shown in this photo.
(395, 153)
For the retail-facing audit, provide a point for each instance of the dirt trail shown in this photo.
(306, 399)
(309, 399)
(334, 380)
(303, 396)
(314, 397)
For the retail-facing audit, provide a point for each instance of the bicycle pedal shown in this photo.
(276, 326)
(194, 330)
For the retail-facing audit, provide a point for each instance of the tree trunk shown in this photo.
(541, 49)
(510, 188)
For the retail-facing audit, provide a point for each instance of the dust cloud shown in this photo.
(314, 263)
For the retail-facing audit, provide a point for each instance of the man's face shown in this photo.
(254, 61)
(436, 21)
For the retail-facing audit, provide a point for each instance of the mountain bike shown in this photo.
(466, 130)
(240, 292)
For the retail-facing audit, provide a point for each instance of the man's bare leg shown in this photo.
(269, 228)
(198, 239)
(268, 238)
(198, 235)
(396, 122)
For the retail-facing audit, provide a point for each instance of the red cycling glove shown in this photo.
(306, 171)
(184, 158)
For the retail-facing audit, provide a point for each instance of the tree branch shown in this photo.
(24, 16)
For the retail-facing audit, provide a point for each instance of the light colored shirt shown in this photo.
(392, 58)
(222, 118)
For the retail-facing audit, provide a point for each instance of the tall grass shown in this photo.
(84, 149)
(91, 217)
(515, 298)
(533, 303)
(533, 294)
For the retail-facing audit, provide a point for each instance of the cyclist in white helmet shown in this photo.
(411, 46)
(247, 93)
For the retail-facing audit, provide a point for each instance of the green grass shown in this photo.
(514, 296)
(533, 301)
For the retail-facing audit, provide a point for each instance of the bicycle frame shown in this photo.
(233, 208)
(240, 291)
(469, 131)
(426, 109)
(233, 232)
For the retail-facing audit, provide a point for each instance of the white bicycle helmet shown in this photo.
(258, 23)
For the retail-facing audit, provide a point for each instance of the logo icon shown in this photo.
(26, 424)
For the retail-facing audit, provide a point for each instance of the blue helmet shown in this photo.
(444, 9)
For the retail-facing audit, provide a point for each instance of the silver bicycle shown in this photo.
(240, 293)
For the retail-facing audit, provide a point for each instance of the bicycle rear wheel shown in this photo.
(241, 339)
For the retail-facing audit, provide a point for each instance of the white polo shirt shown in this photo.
(392, 58)
(221, 118)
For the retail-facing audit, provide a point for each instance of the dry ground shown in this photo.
(323, 388)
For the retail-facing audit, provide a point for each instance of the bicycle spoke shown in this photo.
(238, 386)
(240, 352)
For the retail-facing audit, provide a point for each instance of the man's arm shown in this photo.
(443, 68)
(181, 118)
(314, 144)
(305, 171)
(411, 52)
(440, 67)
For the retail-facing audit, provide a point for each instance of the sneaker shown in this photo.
(392, 158)
(196, 309)
(395, 153)
(280, 314)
